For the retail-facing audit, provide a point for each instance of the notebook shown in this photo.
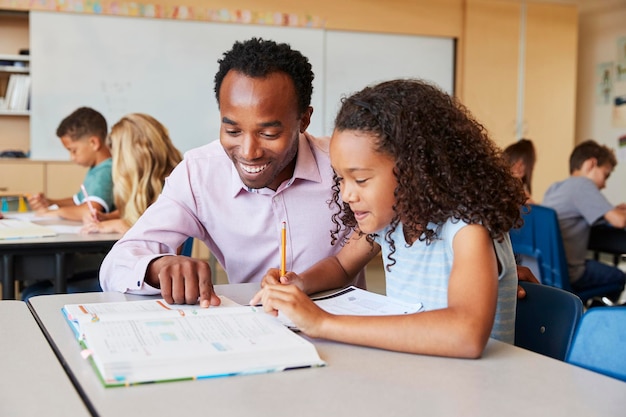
(22, 229)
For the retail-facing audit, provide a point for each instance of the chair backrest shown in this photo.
(540, 238)
(187, 247)
(546, 319)
(600, 342)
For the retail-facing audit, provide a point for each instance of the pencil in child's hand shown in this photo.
(92, 210)
(283, 250)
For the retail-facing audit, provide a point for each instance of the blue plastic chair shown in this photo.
(540, 238)
(546, 319)
(600, 342)
(187, 247)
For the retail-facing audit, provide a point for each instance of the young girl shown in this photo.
(143, 156)
(420, 180)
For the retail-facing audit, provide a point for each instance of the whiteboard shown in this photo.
(119, 65)
(355, 60)
(166, 68)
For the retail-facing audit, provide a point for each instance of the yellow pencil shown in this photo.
(283, 250)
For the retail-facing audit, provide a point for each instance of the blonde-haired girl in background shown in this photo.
(143, 156)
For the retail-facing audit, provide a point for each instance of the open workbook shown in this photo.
(353, 301)
(133, 342)
(145, 341)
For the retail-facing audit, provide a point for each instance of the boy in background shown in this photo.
(579, 204)
(83, 133)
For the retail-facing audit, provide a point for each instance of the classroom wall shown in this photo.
(600, 28)
(487, 67)
(519, 77)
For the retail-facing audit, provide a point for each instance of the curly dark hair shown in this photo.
(257, 57)
(445, 164)
(82, 122)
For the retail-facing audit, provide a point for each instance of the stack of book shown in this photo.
(17, 93)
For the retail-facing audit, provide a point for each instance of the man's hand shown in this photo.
(182, 280)
(524, 274)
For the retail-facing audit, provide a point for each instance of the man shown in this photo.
(579, 204)
(234, 194)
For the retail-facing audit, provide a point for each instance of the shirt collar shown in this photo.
(306, 169)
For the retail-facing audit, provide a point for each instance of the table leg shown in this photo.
(60, 280)
(8, 280)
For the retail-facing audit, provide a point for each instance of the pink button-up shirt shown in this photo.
(204, 198)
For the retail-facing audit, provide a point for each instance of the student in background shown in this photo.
(521, 156)
(83, 134)
(579, 204)
(143, 156)
(401, 151)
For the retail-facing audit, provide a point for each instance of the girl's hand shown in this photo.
(106, 226)
(95, 217)
(91, 227)
(272, 277)
(293, 303)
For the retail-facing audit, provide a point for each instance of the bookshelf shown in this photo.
(14, 36)
(14, 85)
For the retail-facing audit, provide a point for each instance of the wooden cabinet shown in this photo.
(54, 178)
(63, 179)
(21, 176)
(520, 63)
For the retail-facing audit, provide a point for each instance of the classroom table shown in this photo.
(607, 239)
(48, 257)
(357, 381)
(33, 382)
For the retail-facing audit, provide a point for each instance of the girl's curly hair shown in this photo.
(446, 165)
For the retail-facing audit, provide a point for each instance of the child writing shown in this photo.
(83, 133)
(420, 180)
(143, 156)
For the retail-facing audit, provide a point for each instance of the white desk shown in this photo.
(33, 381)
(47, 257)
(507, 381)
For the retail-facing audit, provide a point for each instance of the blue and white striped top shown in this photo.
(422, 271)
